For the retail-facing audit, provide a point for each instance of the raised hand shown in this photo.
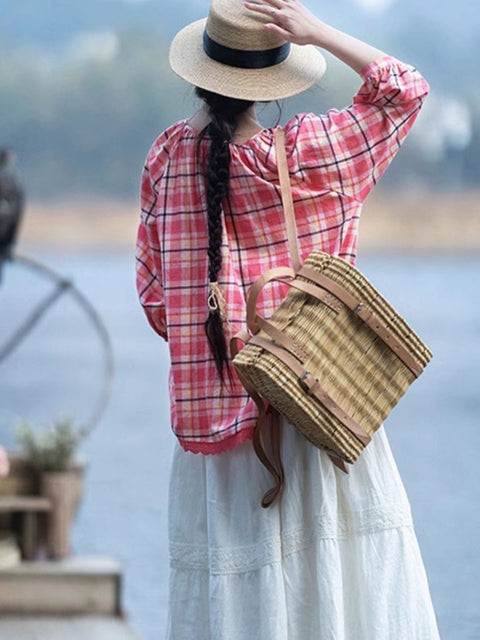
(289, 19)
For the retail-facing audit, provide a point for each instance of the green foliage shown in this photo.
(84, 127)
(51, 449)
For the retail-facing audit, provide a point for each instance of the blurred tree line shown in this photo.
(83, 125)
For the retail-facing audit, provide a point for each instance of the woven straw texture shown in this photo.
(230, 24)
(354, 366)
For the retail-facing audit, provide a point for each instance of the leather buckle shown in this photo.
(358, 308)
(307, 381)
(363, 312)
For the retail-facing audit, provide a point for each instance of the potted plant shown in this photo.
(51, 452)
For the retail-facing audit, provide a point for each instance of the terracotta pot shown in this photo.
(64, 489)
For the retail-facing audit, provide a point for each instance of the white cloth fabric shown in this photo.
(336, 559)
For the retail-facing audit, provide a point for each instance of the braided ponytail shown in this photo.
(224, 113)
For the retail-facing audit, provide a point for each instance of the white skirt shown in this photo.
(336, 559)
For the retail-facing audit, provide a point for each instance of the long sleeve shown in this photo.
(350, 149)
(148, 262)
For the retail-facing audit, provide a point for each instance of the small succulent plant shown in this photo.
(50, 449)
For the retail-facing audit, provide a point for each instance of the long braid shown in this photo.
(224, 114)
(218, 174)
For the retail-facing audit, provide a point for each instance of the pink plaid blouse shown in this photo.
(334, 161)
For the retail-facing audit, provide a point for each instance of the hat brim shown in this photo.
(303, 67)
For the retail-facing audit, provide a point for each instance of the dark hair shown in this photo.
(224, 113)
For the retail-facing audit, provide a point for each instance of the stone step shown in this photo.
(73, 585)
(65, 628)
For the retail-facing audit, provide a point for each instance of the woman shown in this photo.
(336, 557)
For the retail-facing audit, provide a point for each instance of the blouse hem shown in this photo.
(212, 448)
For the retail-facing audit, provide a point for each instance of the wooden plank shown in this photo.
(62, 595)
(74, 585)
(71, 565)
(68, 627)
(24, 503)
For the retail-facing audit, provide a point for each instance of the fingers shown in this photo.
(279, 12)
(271, 10)
(274, 28)
(267, 8)
(264, 6)
(274, 9)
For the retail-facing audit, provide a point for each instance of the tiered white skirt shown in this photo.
(336, 559)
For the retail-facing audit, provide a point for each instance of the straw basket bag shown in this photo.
(334, 358)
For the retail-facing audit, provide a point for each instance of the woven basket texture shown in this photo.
(354, 366)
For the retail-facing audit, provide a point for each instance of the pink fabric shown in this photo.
(4, 463)
(334, 161)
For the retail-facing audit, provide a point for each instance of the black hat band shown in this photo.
(244, 59)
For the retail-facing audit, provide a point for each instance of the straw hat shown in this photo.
(231, 54)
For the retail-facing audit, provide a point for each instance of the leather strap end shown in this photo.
(270, 428)
(338, 462)
(270, 496)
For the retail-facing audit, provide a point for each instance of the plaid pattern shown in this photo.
(334, 161)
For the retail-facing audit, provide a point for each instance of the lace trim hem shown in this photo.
(225, 560)
(211, 448)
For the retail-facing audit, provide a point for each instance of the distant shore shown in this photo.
(390, 221)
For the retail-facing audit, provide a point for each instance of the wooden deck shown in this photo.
(76, 598)
(65, 628)
(73, 585)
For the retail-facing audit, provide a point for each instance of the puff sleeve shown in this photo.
(350, 149)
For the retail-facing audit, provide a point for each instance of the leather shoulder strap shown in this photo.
(287, 200)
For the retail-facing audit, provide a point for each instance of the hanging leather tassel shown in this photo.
(216, 301)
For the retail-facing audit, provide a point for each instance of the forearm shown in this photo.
(353, 52)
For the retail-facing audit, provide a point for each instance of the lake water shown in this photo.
(434, 431)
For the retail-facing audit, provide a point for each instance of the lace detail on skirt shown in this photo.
(225, 559)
